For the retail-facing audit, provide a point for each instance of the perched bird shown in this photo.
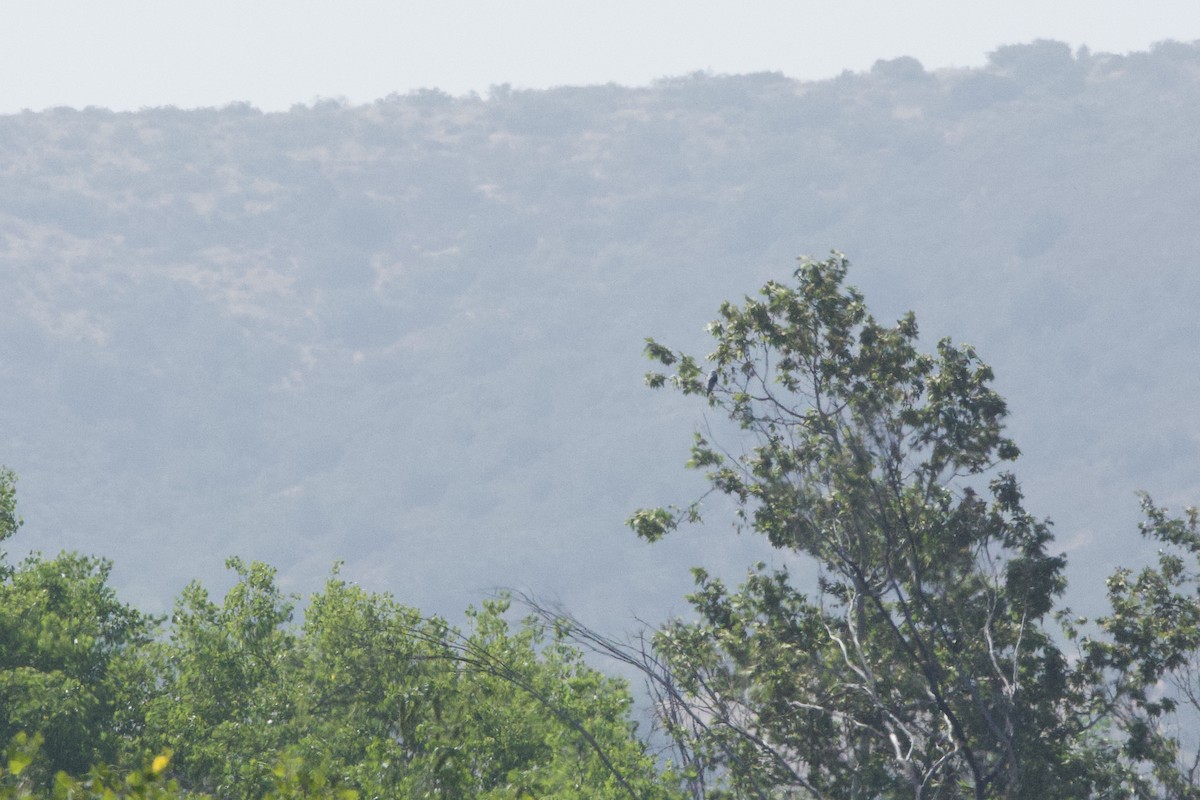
(712, 383)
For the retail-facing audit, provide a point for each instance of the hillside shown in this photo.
(407, 334)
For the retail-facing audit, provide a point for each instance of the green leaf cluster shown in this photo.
(230, 697)
(922, 661)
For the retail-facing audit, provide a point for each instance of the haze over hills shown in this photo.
(407, 334)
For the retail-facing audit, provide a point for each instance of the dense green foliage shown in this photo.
(365, 698)
(924, 659)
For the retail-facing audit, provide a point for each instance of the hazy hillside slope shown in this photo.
(407, 334)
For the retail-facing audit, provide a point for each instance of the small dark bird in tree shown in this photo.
(712, 383)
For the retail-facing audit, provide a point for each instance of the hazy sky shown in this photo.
(126, 54)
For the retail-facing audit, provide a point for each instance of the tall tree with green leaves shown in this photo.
(918, 662)
(69, 666)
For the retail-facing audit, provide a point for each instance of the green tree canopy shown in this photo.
(69, 660)
(919, 662)
(371, 696)
(235, 700)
